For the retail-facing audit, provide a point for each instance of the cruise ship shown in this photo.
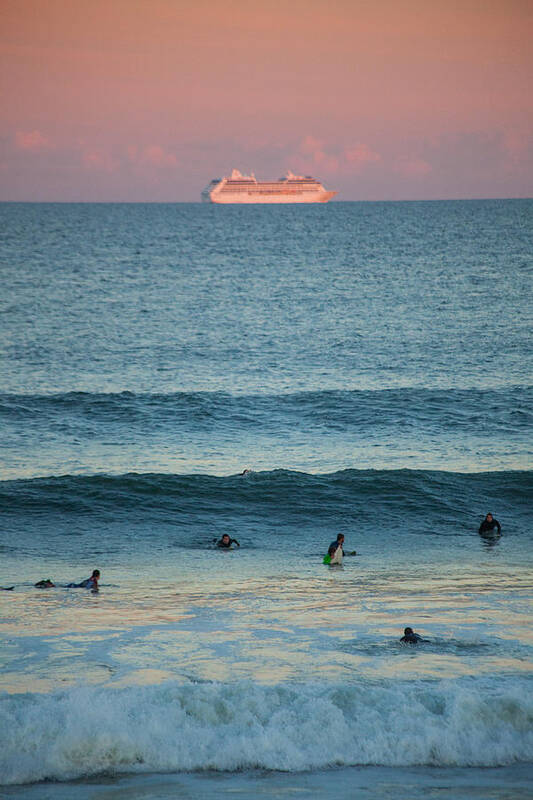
(247, 189)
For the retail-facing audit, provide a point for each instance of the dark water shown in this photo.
(370, 365)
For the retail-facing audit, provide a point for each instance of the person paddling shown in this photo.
(410, 637)
(92, 582)
(88, 583)
(226, 542)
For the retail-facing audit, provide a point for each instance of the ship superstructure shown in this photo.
(240, 188)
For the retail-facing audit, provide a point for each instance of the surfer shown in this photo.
(334, 546)
(226, 542)
(88, 583)
(410, 637)
(335, 551)
(44, 584)
(489, 524)
(92, 582)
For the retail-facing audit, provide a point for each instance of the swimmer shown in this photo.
(88, 583)
(410, 637)
(226, 542)
(489, 524)
(44, 584)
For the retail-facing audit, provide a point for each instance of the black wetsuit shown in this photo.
(227, 545)
(488, 527)
(88, 583)
(412, 638)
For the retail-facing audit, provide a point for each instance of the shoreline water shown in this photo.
(365, 783)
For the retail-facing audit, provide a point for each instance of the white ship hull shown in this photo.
(317, 197)
(245, 189)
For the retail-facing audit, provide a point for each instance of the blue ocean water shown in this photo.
(369, 366)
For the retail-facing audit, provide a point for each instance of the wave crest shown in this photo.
(174, 727)
(405, 492)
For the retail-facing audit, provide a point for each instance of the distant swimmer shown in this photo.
(88, 583)
(245, 472)
(410, 637)
(489, 525)
(44, 584)
(226, 542)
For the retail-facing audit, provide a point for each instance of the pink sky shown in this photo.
(381, 99)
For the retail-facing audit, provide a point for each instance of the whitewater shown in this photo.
(170, 373)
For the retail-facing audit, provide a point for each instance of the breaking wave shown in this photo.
(199, 726)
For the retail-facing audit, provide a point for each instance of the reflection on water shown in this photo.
(178, 620)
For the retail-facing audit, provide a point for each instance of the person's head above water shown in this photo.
(340, 537)
(226, 537)
(407, 631)
(489, 517)
(96, 574)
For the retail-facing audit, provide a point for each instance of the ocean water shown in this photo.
(170, 373)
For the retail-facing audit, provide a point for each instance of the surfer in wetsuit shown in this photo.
(226, 542)
(92, 582)
(410, 637)
(336, 552)
(334, 546)
(489, 524)
(44, 584)
(88, 583)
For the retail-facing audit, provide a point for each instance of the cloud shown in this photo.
(412, 167)
(103, 159)
(98, 159)
(312, 155)
(361, 154)
(31, 140)
(153, 155)
(309, 146)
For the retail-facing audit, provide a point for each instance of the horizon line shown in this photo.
(201, 203)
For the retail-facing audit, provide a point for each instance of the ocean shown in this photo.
(174, 372)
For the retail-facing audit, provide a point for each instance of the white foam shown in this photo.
(177, 727)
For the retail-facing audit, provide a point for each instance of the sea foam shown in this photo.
(211, 726)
